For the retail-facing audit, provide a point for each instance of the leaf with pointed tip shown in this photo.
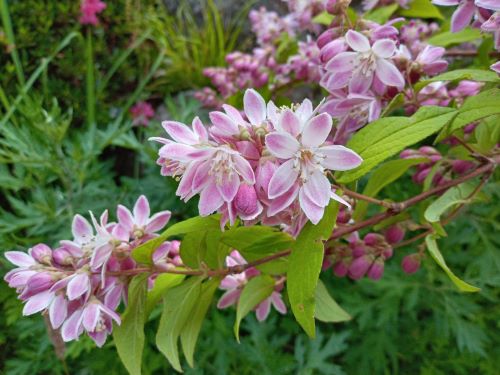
(163, 282)
(327, 310)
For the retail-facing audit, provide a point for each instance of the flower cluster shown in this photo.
(268, 164)
(142, 113)
(82, 282)
(89, 10)
(234, 284)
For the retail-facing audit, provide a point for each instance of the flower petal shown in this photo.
(283, 201)
(313, 212)
(180, 132)
(317, 188)
(339, 158)
(71, 327)
(263, 309)
(244, 169)
(158, 221)
(384, 48)
(357, 41)
(286, 175)
(77, 286)
(360, 82)
(389, 74)
(343, 62)
(58, 311)
(19, 258)
(199, 129)
(229, 185)
(278, 303)
(210, 200)
(81, 228)
(282, 145)
(229, 298)
(125, 217)
(224, 123)
(462, 16)
(90, 316)
(289, 122)
(234, 114)
(255, 107)
(316, 130)
(38, 303)
(141, 210)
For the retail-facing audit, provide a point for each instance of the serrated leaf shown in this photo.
(448, 38)
(381, 15)
(305, 265)
(179, 302)
(475, 108)
(479, 75)
(386, 174)
(387, 136)
(455, 195)
(143, 253)
(163, 282)
(129, 336)
(327, 310)
(421, 9)
(189, 335)
(255, 291)
(438, 257)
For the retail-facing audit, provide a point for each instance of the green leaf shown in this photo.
(144, 252)
(189, 335)
(475, 108)
(397, 102)
(381, 15)
(479, 75)
(456, 195)
(386, 174)
(129, 336)
(387, 136)
(193, 249)
(216, 250)
(305, 265)
(438, 257)
(179, 302)
(254, 292)
(447, 38)
(421, 9)
(327, 310)
(488, 133)
(163, 282)
(324, 18)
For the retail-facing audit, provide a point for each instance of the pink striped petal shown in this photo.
(244, 169)
(284, 178)
(180, 132)
(71, 328)
(317, 130)
(339, 158)
(229, 298)
(304, 111)
(278, 303)
(339, 199)
(90, 316)
(389, 74)
(282, 145)
(289, 122)
(384, 48)
(313, 212)
(38, 303)
(141, 210)
(99, 338)
(19, 258)
(78, 286)
(284, 201)
(125, 217)
(228, 187)
(462, 16)
(234, 114)
(357, 41)
(81, 228)
(317, 188)
(343, 62)
(202, 177)
(210, 200)
(185, 186)
(255, 107)
(158, 221)
(177, 151)
(199, 129)
(229, 282)
(58, 311)
(223, 123)
(360, 82)
(263, 309)
(101, 255)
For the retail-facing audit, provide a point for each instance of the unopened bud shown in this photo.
(245, 201)
(376, 270)
(394, 234)
(360, 266)
(461, 166)
(62, 256)
(411, 263)
(340, 268)
(42, 253)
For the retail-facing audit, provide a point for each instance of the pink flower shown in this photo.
(142, 113)
(358, 69)
(492, 25)
(89, 10)
(139, 224)
(462, 16)
(299, 141)
(430, 60)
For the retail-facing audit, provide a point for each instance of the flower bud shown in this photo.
(461, 166)
(419, 177)
(42, 253)
(372, 239)
(411, 263)
(428, 150)
(358, 249)
(360, 266)
(62, 257)
(377, 269)
(394, 234)
(343, 217)
(388, 252)
(245, 201)
(340, 268)
(37, 283)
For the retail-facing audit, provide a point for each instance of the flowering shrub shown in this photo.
(279, 185)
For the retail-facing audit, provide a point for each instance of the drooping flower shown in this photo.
(300, 144)
(89, 10)
(358, 68)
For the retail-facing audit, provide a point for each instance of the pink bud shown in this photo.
(245, 201)
(340, 268)
(343, 217)
(358, 249)
(42, 253)
(327, 263)
(411, 263)
(469, 128)
(62, 256)
(360, 266)
(419, 177)
(394, 234)
(37, 283)
(372, 239)
(376, 270)
(326, 37)
(409, 153)
(428, 150)
(177, 260)
(388, 252)
(461, 166)
(331, 6)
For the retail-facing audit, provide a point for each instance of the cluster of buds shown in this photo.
(442, 171)
(234, 284)
(268, 164)
(363, 257)
(81, 283)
